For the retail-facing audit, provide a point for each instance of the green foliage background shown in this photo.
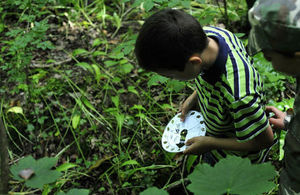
(71, 89)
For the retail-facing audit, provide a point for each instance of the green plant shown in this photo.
(232, 175)
(23, 41)
(40, 171)
(91, 106)
(39, 174)
(238, 177)
(153, 190)
(275, 83)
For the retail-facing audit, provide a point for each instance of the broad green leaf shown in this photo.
(46, 189)
(154, 190)
(97, 42)
(75, 192)
(156, 80)
(42, 171)
(137, 3)
(173, 3)
(116, 101)
(25, 163)
(116, 55)
(120, 120)
(130, 162)
(79, 52)
(66, 166)
(281, 144)
(123, 61)
(190, 161)
(232, 175)
(128, 49)
(117, 20)
(16, 110)
(186, 4)
(138, 107)
(110, 63)
(239, 35)
(167, 106)
(232, 15)
(122, 91)
(87, 103)
(97, 72)
(98, 53)
(75, 120)
(148, 5)
(85, 66)
(30, 127)
(175, 85)
(41, 120)
(126, 68)
(133, 90)
(2, 26)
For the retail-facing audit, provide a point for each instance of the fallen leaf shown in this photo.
(99, 162)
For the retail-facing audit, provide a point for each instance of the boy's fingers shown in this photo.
(183, 115)
(186, 151)
(189, 142)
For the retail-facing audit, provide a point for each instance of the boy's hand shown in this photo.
(277, 121)
(197, 145)
(187, 105)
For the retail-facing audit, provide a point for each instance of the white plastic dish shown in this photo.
(177, 133)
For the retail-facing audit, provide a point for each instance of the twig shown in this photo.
(225, 14)
(36, 65)
(177, 183)
(182, 172)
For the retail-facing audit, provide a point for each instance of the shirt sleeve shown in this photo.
(249, 117)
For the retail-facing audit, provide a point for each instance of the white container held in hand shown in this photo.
(177, 132)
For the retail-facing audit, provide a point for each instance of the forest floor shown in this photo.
(87, 103)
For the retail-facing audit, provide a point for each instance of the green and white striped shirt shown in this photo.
(230, 95)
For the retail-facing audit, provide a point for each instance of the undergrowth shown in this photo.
(71, 90)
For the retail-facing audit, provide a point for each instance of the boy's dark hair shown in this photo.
(167, 39)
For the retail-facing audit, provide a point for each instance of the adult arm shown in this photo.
(278, 120)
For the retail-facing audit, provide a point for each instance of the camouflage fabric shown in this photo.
(290, 175)
(275, 26)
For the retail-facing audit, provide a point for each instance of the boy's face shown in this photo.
(283, 63)
(192, 69)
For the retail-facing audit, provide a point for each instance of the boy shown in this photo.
(228, 88)
(275, 31)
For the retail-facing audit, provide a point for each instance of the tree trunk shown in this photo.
(4, 175)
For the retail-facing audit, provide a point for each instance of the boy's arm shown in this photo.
(187, 105)
(202, 144)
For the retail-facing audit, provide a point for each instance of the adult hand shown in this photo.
(277, 121)
(187, 105)
(197, 145)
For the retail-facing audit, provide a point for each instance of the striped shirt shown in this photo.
(230, 95)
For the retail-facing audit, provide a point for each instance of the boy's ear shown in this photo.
(195, 59)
